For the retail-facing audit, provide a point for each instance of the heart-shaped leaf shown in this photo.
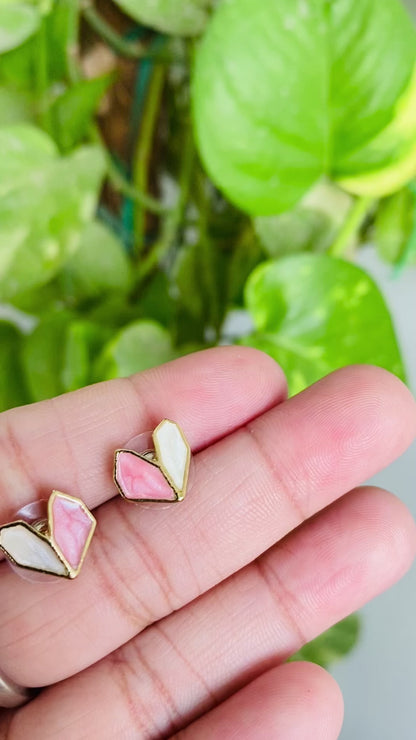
(315, 313)
(287, 90)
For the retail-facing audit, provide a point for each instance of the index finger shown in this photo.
(68, 443)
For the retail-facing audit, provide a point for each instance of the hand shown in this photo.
(183, 615)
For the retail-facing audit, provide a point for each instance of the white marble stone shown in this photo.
(27, 549)
(173, 454)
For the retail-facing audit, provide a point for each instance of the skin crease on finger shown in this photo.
(299, 701)
(178, 669)
(68, 443)
(318, 454)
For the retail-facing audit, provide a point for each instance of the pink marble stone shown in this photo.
(71, 526)
(140, 479)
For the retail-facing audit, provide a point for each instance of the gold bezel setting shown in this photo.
(47, 535)
(157, 461)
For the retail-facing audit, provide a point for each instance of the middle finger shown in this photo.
(249, 491)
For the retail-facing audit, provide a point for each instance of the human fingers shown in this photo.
(193, 659)
(67, 443)
(250, 489)
(289, 702)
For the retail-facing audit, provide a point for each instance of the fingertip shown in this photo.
(317, 688)
(382, 385)
(394, 525)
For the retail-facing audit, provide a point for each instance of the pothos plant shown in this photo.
(166, 162)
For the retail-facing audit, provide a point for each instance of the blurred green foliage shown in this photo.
(164, 163)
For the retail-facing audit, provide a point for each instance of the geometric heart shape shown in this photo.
(161, 476)
(29, 549)
(140, 479)
(71, 527)
(56, 545)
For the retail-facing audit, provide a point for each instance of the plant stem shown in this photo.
(175, 217)
(121, 185)
(208, 259)
(122, 47)
(71, 43)
(133, 50)
(142, 154)
(351, 225)
(119, 182)
(42, 80)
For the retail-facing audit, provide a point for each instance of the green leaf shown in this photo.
(315, 313)
(14, 107)
(393, 224)
(181, 17)
(303, 89)
(99, 266)
(74, 110)
(137, 347)
(332, 644)
(12, 387)
(311, 225)
(156, 301)
(57, 356)
(45, 203)
(24, 149)
(18, 21)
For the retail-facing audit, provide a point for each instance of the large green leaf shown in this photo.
(315, 313)
(45, 203)
(332, 644)
(286, 90)
(18, 21)
(137, 347)
(183, 17)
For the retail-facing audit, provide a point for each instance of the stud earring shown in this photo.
(49, 537)
(154, 466)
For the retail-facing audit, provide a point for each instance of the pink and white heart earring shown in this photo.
(154, 466)
(49, 537)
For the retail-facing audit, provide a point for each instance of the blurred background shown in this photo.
(176, 174)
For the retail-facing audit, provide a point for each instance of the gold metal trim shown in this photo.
(48, 537)
(179, 494)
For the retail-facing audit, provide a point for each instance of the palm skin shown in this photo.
(184, 615)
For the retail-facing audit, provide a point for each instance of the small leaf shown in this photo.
(45, 203)
(300, 229)
(12, 386)
(137, 347)
(73, 111)
(99, 266)
(333, 644)
(393, 224)
(57, 356)
(18, 21)
(310, 226)
(156, 301)
(181, 17)
(315, 313)
(14, 107)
